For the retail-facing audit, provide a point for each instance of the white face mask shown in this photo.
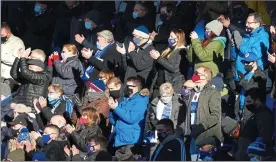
(166, 100)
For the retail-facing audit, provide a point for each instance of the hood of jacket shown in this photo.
(222, 40)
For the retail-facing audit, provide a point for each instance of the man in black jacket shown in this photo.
(31, 73)
(136, 59)
(171, 147)
(102, 56)
(260, 124)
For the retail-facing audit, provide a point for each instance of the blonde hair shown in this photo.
(166, 88)
(93, 116)
(40, 54)
(115, 80)
(71, 48)
(181, 41)
(106, 74)
(57, 88)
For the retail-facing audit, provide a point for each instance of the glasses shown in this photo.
(131, 86)
(251, 22)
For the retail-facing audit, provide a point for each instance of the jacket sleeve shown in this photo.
(77, 158)
(97, 63)
(190, 54)
(207, 53)
(79, 141)
(140, 61)
(14, 69)
(257, 81)
(8, 55)
(261, 46)
(53, 154)
(265, 127)
(233, 27)
(171, 66)
(65, 71)
(215, 111)
(46, 112)
(112, 118)
(31, 76)
(133, 114)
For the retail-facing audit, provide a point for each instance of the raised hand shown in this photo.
(79, 38)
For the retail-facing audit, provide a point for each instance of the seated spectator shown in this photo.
(254, 78)
(171, 63)
(87, 126)
(33, 76)
(58, 104)
(102, 56)
(171, 147)
(167, 106)
(128, 118)
(210, 51)
(203, 114)
(260, 124)
(68, 70)
(96, 150)
(137, 59)
(10, 45)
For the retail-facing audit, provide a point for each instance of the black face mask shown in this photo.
(128, 92)
(115, 94)
(4, 39)
(248, 29)
(248, 68)
(163, 17)
(162, 136)
(14, 132)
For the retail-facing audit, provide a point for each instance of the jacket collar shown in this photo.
(257, 31)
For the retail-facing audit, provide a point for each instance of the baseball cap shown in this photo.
(249, 57)
(20, 119)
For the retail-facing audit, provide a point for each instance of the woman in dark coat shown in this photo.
(172, 65)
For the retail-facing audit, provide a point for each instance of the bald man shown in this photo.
(58, 120)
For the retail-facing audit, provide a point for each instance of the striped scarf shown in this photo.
(69, 104)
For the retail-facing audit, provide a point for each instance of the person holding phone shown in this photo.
(171, 65)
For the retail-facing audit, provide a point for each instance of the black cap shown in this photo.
(214, 141)
(20, 119)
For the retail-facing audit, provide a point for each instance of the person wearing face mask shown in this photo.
(58, 104)
(87, 126)
(114, 86)
(128, 118)
(96, 150)
(33, 76)
(10, 44)
(103, 56)
(260, 124)
(255, 40)
(253, 78)
(39, 27)
(171, 146)
(210, 51)
(136, 14)
(68, 71)
(171, 65)
(86, 36)
(136, 55)
(203, 114)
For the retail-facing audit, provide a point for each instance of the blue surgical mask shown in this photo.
(206, 34)
(50, 99)
(88, 25)
(98, 45)
(90, 149)
(207, 156)
(135, 15)
(172, 42)
(136, 41)
(45, 138)
(37, 9)
(254, 159)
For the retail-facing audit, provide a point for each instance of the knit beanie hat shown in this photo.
(257, 147)
(215, 26)
(94, 16)
(228, 125)
(97, 85)
(17, 155)
(39, 156)
(141, 31)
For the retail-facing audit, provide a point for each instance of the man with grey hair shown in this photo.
(104, 56)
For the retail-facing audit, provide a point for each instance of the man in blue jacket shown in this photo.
(256, 40)
(128, 118)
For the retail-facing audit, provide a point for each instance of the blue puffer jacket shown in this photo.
(130, 120)
(256, 42)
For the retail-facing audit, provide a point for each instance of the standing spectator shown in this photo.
(203, 116)
(10, 45)
(104, 56)
(256, 40)
(171, 147)
(171, 63)
(87, 126)
(33, 76)
(210, 51)
(115, 88)
(260, 124)
(128, 117)
(40, 28)
(254, 78)
(137, 59)
(68, 70)
(96, 150)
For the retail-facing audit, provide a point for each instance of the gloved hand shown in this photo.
(50, 62)
(196, 130)
(55, 56)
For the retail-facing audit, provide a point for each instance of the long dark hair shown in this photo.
(206, 41)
